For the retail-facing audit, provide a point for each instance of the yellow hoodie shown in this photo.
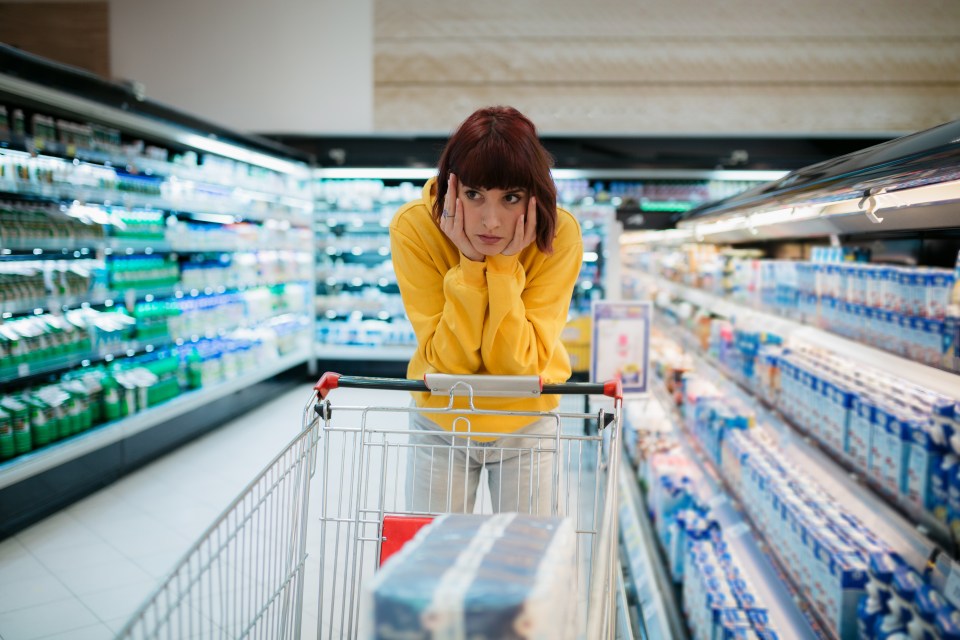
(502, 316)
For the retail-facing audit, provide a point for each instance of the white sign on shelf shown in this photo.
(621, 343)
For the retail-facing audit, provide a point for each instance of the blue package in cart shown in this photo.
(478, 577)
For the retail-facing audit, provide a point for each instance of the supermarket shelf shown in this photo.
(625, 629)
(939, 380)
(108, 197)
(61, 247)
(52, 456)
(45, 303)
(20, 372)
(787, 615)
(652, 586)
(916, 535)
(30, 305)
(140, 165)
(390, 353)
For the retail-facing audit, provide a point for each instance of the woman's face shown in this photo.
(490, 216)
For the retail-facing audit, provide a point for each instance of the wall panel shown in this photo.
(670, 66)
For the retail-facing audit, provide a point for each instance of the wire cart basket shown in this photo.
(293, 531)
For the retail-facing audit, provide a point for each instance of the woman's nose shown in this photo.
(490, 217)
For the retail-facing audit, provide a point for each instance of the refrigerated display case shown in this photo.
(151, 264)
(817, 318)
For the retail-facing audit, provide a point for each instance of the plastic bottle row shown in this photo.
(88, 397)
(357, 332)
(49, 177)
(67, 225)
(39, 341)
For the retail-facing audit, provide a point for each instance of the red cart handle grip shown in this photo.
(327, 383)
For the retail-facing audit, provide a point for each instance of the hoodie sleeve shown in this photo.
(528, 310)
(446, 307)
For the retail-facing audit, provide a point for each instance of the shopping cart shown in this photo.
(247, 575)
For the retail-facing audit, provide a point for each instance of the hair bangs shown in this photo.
(494, 164)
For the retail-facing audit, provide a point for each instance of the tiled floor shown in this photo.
(80, 573)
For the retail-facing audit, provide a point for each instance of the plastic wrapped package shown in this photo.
(478, 577)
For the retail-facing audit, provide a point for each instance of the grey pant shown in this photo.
(443, 470)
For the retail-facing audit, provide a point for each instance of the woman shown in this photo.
(486, 265)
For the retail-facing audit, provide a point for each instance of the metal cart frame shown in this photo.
(245, 577)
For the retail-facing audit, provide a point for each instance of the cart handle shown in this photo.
(447, 384)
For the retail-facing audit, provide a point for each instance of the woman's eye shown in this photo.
(471, 194)
(512, 198)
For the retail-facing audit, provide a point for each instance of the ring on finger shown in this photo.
(446, 214)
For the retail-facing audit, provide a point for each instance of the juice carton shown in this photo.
(924, 457)
(860, 431)
(940, 486)
(849, 581)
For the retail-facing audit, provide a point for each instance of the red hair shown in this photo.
(498, 148)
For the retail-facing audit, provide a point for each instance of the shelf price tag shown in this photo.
(23, 369)
(621, 343)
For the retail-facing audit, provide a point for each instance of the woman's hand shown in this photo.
(525, 231)
(451, 222)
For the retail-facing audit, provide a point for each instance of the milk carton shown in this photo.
(906, 582)
(948, 625)
(879, 590)
(928, 603)
(880, 459)
(841, 402)
(940, 485)
(932, 344)
(953, 501)
(860, 431)
(849, 574)
(924, 457)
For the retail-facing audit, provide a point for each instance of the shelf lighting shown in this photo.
(216, 218)
(659, 236)
(375, 173)
(590, 256)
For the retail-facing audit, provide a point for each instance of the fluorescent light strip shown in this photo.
(668, 174)
(384, 173)
(662, 236)
(374, 174)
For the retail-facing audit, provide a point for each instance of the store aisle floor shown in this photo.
(80, 573)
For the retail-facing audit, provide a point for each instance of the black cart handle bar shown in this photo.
(472, 385)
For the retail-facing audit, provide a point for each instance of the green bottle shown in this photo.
(111, 398)
(42, 429)
(19, 422)
(6, 436)
(194, 370)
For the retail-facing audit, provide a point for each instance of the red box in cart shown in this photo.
(397, 531)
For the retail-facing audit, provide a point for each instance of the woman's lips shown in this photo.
(489, 239)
